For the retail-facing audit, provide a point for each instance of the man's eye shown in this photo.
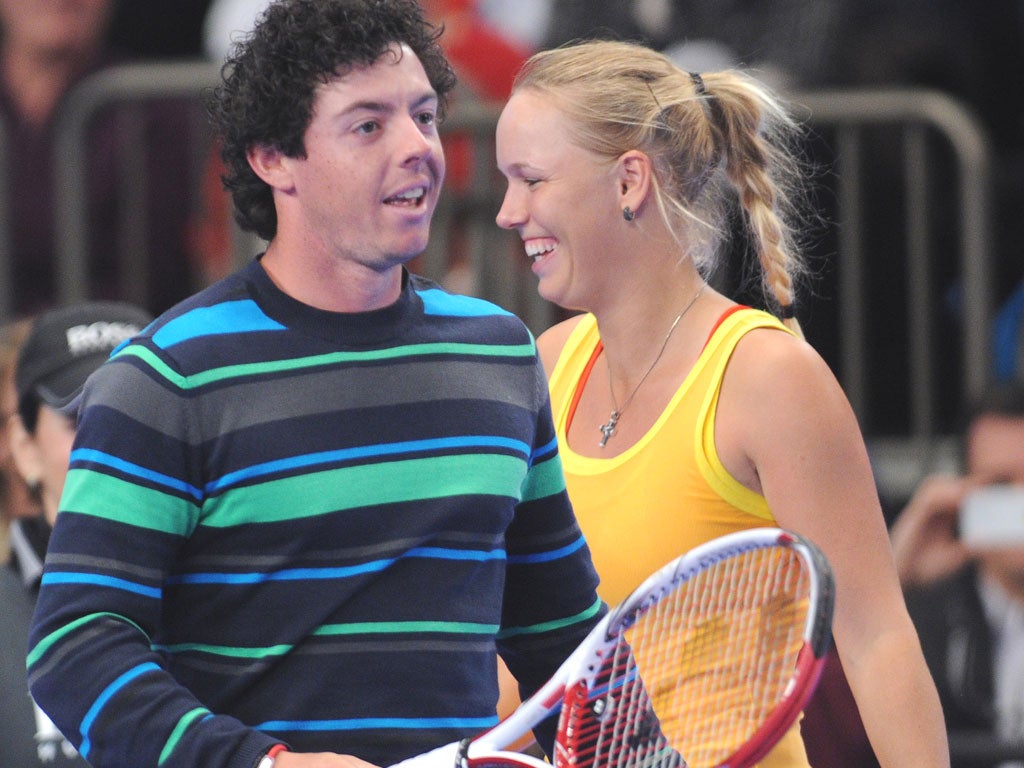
(426, 118)
(531, 182)
(368, 127)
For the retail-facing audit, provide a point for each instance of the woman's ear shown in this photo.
(633, 174)
(26, 454)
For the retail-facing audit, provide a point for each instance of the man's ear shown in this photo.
(26, 454)
(271, 165)
(633, 175)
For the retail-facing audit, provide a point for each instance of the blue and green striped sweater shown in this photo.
(287, 524)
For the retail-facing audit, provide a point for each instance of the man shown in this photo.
(964, 586)
(61, 348)
(307, 504)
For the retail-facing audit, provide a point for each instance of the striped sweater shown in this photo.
(284, 524)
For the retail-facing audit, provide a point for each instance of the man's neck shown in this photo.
(334, 286)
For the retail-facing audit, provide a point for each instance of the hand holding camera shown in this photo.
(925, 541)
(948, 521)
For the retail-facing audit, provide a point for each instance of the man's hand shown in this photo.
(318, 760)
(924, 536)
(442, 757)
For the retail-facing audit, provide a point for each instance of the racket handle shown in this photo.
(448, 756)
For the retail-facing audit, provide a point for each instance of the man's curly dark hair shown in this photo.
(270, 80)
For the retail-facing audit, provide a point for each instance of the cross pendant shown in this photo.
(607, 430)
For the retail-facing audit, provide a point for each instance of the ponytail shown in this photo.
(710, 137)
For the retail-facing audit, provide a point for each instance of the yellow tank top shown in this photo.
(669, 492)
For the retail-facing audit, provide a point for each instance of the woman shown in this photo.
(682, 416)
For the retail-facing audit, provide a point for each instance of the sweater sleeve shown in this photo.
(551, 600)
(130, 500)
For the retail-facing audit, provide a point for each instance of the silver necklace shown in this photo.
(608, 428)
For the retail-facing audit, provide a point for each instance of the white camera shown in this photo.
(993, 516)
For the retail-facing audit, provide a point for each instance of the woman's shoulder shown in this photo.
(787, 371)
(765, 349)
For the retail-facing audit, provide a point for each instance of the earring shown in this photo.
(628, 213)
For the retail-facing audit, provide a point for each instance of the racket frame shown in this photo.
(586, 661)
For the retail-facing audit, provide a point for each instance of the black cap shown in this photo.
(67, 344)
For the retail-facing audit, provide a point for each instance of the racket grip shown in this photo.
(448, 756)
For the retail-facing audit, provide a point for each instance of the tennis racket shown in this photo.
(707, 663)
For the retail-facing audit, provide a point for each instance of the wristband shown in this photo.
(268, 759)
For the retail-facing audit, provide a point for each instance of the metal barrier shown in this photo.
(494, 266)
(914, 116)
(127, 83)
(910, 112)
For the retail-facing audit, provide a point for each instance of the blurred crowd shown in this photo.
(970, 51)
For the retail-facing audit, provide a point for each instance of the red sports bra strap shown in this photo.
(584, 378)
(725, 315)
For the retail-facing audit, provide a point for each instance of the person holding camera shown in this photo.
(959, 550)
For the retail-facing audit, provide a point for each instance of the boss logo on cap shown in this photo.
(99, 336)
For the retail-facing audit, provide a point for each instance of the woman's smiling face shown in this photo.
(560, 198)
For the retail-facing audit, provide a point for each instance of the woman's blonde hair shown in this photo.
(709, 136)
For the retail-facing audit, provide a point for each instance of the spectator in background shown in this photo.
(15, 500)
(966, 594)
(51, 369)
(46, 49)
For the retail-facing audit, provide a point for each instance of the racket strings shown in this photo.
(612, 723)
(698, 672)
(751, 654)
